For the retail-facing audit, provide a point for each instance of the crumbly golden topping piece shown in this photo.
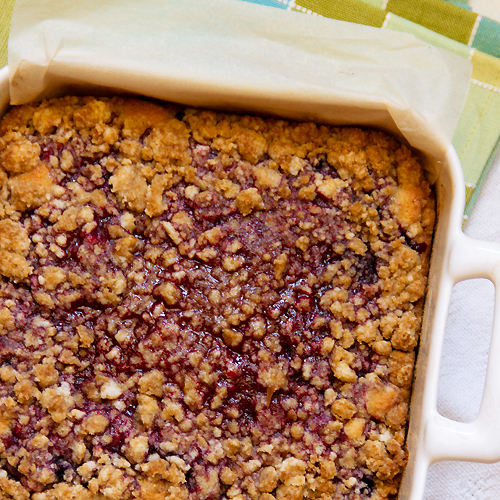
(196, 305)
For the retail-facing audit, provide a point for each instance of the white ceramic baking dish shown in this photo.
(455, 257)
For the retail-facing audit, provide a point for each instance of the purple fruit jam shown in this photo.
(195, 305)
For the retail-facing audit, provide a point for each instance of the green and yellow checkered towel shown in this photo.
(6, 7)
(447, 24)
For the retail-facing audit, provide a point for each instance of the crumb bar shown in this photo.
(200, 305)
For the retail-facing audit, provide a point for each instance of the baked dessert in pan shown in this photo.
(200, 305)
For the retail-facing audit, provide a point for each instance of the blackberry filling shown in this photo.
(195, 305)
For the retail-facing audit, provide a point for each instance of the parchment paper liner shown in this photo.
(238, 56)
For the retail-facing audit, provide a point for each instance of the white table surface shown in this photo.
(465, 357)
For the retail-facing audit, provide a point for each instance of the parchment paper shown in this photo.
(240, 56)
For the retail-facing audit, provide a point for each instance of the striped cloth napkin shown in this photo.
(452, 25)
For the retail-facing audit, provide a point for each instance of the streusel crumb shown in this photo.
(197, 305)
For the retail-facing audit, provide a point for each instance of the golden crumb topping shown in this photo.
(204, 306)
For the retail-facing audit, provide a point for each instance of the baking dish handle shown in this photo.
(477, 441)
